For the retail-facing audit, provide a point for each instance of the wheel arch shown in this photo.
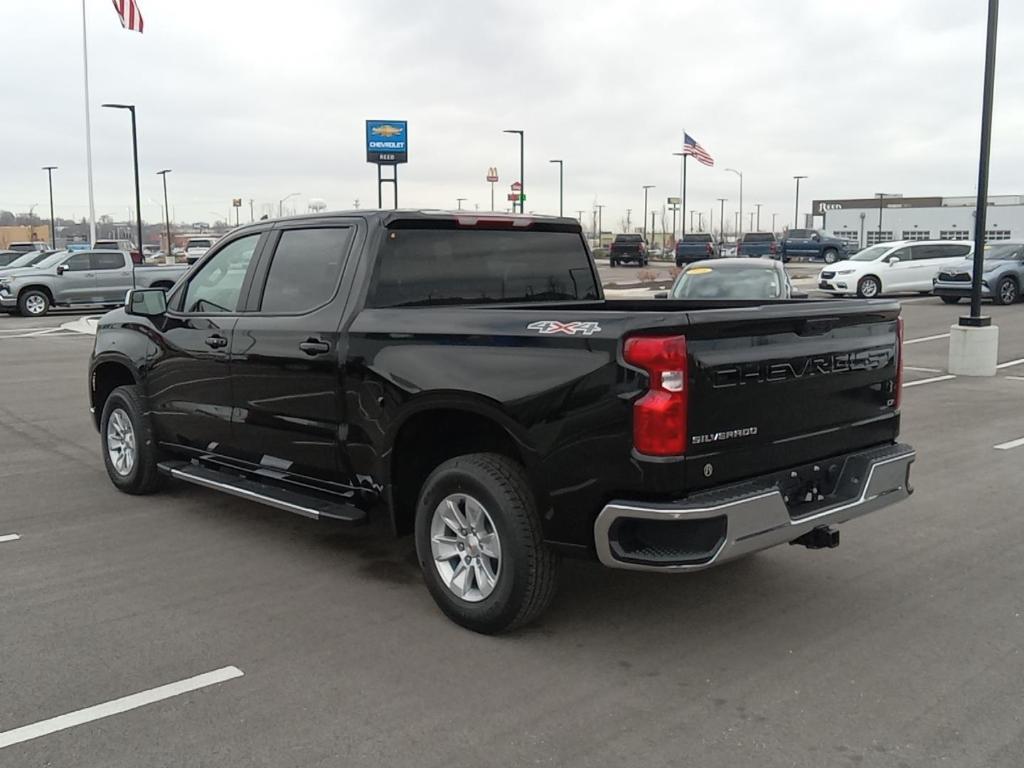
(439, 428)
(107, 373)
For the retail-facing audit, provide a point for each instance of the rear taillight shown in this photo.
(659, 416)
(739, 247)
(773, 248)
(711, 251)
(898, 385)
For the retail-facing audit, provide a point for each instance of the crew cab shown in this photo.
(695, 247)
(462, 376)
(74, 279)
(628, 248)
(812, 244)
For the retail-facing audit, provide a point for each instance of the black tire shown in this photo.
(1006, 292)
(950, 299)
(29, 300)
(831, 256)
(864, 289)
(613, 263)
(143, 476)
(528, 570)
(679, 263)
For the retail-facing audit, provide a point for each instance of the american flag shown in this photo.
(691, 147)
(130, 15)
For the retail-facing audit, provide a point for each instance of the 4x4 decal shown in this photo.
(548, 327)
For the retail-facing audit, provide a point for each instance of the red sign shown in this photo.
(517, 186)
(513, 196)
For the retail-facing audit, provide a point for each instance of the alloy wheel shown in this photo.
(466, 547)
(121, 442)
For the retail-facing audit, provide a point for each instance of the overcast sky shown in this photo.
(261, 98)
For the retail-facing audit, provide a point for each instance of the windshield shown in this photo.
(52, 259)
(26, 260)
(872, 253)
(753, 282)
(1002, 252)
(627, 238)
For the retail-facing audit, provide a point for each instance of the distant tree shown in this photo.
(7, 219)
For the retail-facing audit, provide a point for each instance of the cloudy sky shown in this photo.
(260, 98)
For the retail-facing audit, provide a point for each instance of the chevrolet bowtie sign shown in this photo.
(387, 142)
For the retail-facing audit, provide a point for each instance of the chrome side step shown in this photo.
(262, 493)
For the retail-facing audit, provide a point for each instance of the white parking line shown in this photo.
(117, 706)
(1012, 444)
(1011, 363)
(932, 380)
(9, 537)
(1014, 378)
(922, 370)
(927, 338)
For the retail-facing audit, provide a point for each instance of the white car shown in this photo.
(905, 266)
(196, 247)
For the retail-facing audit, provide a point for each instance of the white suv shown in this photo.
(901, 267)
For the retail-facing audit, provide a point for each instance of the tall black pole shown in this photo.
(796, 204)
(721, 221)
(522, 172)
(561, 187)
(880, 199)
(975, 318)
(53, 222)
(167, 214)
(647, 188)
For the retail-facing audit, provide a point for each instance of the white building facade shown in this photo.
(917, 218)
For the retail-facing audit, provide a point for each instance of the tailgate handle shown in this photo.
(817, 327)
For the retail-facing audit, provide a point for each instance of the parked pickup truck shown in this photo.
(462, 376)
(695, 247)
(70, 279)
(628, 248)
(810, 243)
(757, 244)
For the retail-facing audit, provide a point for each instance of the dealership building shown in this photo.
(868, 220)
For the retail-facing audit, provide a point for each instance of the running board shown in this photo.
(262, 493)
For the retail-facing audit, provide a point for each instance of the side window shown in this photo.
(217, 287)
(904, 254)
(111, 260)
(305, 270)
(80, 262)
(957, 250)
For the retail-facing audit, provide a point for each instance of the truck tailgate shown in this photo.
(773, 388)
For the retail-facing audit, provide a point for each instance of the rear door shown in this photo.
(779, 385)
(285, 354)
(899, 275)
(113, 271)
(188, 383)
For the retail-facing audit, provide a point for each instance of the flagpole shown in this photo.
(685, 158)
(682, 170)
(88, 132)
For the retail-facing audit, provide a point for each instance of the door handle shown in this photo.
(216, 341)
(313, 346)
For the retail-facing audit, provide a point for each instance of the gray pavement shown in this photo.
(900, 648)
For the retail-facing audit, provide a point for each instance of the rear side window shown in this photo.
(758, 237)
(305, 270)
(462, 266)
(111, 260)
(801, 234)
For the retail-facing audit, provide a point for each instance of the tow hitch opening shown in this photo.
(822, 537)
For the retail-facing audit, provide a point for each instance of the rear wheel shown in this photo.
(613, 263)
(33, 303)
(869, 287)
(1006, 291)
(480, 545)
(950, 299)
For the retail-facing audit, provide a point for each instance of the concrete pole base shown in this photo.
(973, 351)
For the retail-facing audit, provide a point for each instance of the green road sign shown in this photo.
(522, 197)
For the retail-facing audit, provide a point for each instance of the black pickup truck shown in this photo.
(627, 248)
(463, 376)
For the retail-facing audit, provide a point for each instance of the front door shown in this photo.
(113, 271)
(189, 383)
(76, 283)
(286, 356)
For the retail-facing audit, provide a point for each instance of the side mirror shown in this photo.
(62, 268)
(146, 302)
(661, 295)
(893, 259)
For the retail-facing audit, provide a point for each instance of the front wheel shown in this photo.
(613, 263)
(831, 256)
(129, 448)
(480, 544)
(950, 299)
(869, 287)
(33, 303)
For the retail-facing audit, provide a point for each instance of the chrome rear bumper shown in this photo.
(738, 519)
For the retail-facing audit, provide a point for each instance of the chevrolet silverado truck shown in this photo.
(811, 244)
(626, 248)
(66, 279)
(461, 378)
(695, 247)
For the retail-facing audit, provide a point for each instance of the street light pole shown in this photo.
(881, 197)
(721, 220)
(167, 211)
(740, 224)
(682, 191)
(647, 188)
(53, 223)
(135, 161)
(280, 203)
(522, 182)
(796, 206)
(460, 200)
(758, 206)
(561, 180)
(600, 222)
(773, 221)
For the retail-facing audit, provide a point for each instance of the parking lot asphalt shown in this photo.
(900, 648)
